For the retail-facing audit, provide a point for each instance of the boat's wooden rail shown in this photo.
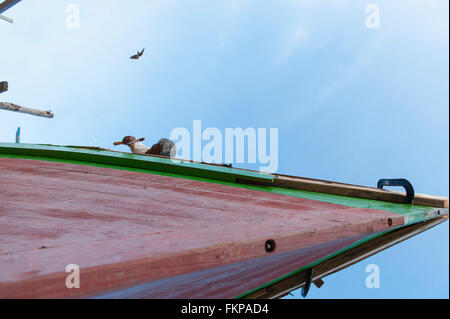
(329, 187)
(99, 155)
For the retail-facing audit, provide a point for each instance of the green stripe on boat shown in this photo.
(129, 160)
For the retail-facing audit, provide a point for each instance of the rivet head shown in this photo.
(270, 245)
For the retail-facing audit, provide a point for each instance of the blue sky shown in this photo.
(351, 104)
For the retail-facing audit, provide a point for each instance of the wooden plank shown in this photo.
(229, 281)
(329, 187)
(346, 259)
(6, 19)
(216, 171)
(17, 108)
(3, 86)
(126, 228)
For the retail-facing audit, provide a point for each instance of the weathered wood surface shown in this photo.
(346, 259)
(231, 280)
(127, 228)
(329, 187)
(21, 109)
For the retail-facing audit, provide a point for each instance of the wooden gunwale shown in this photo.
(218, 172)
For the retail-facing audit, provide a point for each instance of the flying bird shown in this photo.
(138, 55)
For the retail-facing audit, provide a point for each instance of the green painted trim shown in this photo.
(129, 160)
(412, 213)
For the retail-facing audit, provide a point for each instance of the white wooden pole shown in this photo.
(6, 19)
(21, 109)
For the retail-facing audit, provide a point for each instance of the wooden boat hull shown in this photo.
(139, 233)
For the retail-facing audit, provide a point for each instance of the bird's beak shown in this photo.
(121, 143)
(132, 142)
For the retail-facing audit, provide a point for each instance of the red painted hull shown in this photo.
(143, 235)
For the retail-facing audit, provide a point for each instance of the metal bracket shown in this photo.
(399, 182)
(305, 288)
(18, 135)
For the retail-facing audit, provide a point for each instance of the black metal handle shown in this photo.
(399, 182)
